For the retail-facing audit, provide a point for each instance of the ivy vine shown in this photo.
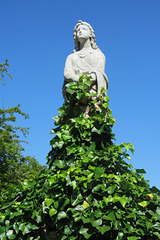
(90, 190)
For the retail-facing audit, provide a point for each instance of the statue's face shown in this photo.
(83, 32)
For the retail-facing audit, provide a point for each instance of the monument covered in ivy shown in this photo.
(90, 190)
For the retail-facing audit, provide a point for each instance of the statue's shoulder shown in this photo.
(72, 56)
(99, 53)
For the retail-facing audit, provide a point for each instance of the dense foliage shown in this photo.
(14, 166)
(90, 191)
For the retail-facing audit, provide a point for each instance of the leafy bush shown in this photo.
(89, 190)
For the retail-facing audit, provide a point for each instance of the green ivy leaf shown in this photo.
(105, 105)
(133, 238)
(10, 234)
(2, 232)
(104, 229)
(61, 215)
(143, 204)
(24, 228)
(56, 119)
(97, 187)
(39, 218)
(110, 216)
(98, 172)
(85, 204)
(48, 202)
(51, 180)
(56, 204)
(149, 225)
(60, 164)
(16, 228)
(140, 171)
(83, 231)
(79, 95)
(97, 223)
(52, 212)
(69, 90)
(111, 189)
(157, 234)
(123, 200)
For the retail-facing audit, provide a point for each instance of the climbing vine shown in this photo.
(90, 190)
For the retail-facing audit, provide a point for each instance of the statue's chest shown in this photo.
(87, 57)
(86, 60)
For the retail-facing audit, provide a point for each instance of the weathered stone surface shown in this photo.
(86, 59)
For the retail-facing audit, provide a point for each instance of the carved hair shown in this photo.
(92, 36)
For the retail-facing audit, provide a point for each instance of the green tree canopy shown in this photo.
(14, 166)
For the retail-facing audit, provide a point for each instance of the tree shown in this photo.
(14, 167)
(89, 191)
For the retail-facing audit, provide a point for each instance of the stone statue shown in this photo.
(86, 59)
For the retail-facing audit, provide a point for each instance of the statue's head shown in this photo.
(92, 36)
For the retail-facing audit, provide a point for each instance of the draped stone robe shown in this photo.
(91, 61)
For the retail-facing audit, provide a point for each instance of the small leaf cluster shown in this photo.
(90, 190)
(3, 71)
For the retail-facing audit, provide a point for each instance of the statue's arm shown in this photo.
(101, 63)
(100, 69)
(99, 66)
(69, 74)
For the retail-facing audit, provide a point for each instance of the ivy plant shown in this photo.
(90, 190)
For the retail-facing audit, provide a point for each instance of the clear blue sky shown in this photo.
(36, 37)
